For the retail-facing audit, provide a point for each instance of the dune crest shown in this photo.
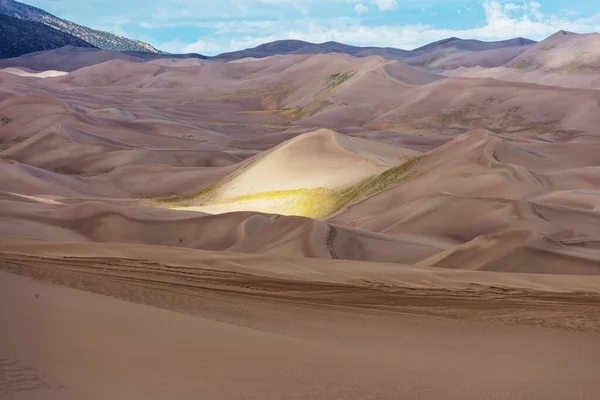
(321, 156)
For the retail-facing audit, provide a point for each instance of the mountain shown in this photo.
(300, 47)
(70, 58)
(473, 45)
(100, 39)
(19, 37)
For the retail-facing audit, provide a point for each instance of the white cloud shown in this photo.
(384, 5)
(201, 46)
(361, 9)
(501, 22)
(513, 7)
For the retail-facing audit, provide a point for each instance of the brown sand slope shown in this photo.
(499, 191)
(300, 175)
(447, 244)
(454, 58)
(161, 144)
(260, 345)
(564, 52)
(588, 81)
(71, 58)
(42, 219)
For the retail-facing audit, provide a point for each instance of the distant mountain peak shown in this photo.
(473, 45)
(563, 33)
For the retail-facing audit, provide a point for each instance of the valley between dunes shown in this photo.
(299, 227)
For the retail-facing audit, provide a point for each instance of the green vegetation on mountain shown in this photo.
(18, 37)
(100, 39)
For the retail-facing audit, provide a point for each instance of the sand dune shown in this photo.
(30, 217)
(287, 203)
(231, 141)
(534, 76)
(288, 179)
(564, 52)
(329, 354)
(33, 74)
(455, 58)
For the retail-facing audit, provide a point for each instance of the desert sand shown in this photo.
(300, 227)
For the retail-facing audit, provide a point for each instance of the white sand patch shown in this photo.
(32, 74)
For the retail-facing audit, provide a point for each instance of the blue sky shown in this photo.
(215, 26)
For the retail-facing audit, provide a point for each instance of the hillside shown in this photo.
(313, 226)
(564, 52)
(70, 58)
(283, 47)
(18, 37)
(100, 39)
(473, 45)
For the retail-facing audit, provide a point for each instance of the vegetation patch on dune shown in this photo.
(245, 124)
(4, 121)
(579, 67)
(467, 117)
(66, 170)
(472, 116)
(334, 81)
(302, 202)
(522, 65)
(428, 62)
(4, 145)
(318, 203)
(541, 128)
(370, 186)
(272, 99)
(331, 83)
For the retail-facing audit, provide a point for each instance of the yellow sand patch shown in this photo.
(317, 203)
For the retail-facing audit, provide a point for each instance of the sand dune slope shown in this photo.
(335, 227)
(497, 200)
(258, 343)
(301, 175)
(564, 52)
(31, 217)
(231, 156)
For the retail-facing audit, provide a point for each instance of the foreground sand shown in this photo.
(63, 343)
(188, 324)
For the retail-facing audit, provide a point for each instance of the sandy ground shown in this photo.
(62, 343)
(42, 74)
(299, 227)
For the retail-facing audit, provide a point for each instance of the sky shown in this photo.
(215, 26)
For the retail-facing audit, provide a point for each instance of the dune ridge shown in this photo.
(320, 156)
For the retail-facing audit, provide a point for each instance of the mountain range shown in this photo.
(100, 39)
(26, 29)
(108, 41)
(284, 47)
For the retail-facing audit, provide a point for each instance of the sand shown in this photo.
(42, 74)
(305, 226)
(277, 349)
